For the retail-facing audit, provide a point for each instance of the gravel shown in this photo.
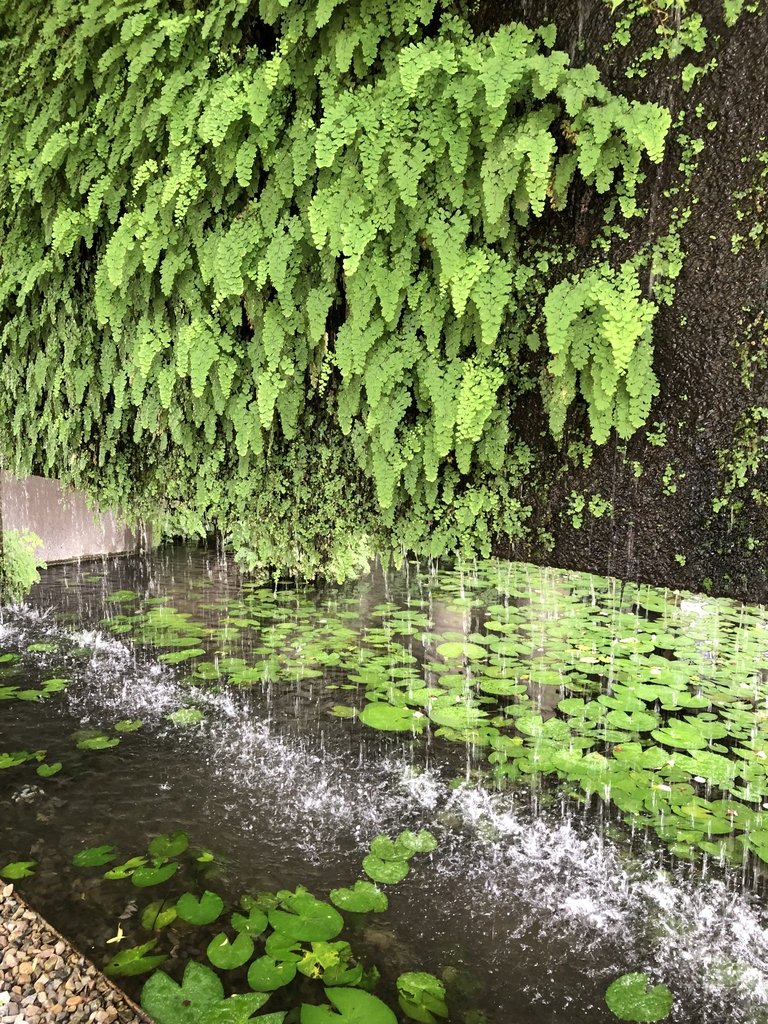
(44, 980)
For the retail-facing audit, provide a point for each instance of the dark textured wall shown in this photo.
(710, 344)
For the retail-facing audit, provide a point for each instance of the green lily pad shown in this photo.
(228, 955)
(353, 1006)
(126, 869)
(98, 742)
(630, 998)
(169, 1003)
(130, 962)
(362, 898)
(266, 974)
(47, 771)
(239, 1010)
(128, 725)
(253, 924)
(176, 657)
(306, 918)
(453, 650)
(390, 872)
(457, 716)
(199, 911)
(387, 718)
(186, 716)
(94, 856)
(157, 915)
(144, 877)
(421, 997)
(168, 845)
(18, 869)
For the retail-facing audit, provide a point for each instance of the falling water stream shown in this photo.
(540, 891)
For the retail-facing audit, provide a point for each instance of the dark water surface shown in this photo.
(537, 895)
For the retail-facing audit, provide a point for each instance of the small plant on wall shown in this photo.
(19, 563)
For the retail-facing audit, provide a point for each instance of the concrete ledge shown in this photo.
(61, 518)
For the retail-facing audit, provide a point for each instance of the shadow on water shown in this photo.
(536, 897)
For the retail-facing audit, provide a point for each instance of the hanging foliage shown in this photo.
(269, 270)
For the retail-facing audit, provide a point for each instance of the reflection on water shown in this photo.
(537, 895)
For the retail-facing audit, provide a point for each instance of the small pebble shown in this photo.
(44, 980)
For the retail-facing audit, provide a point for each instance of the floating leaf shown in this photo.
(142, 878)
(186, 716)
(362, 898)
(452, 651)
(157, 915)
(387, 871)
(387, 718)
(254, 924)
(239, 1009)
(168, 845)
(169, 1003)
(47, 771)
(630, 998)
(98, 742)
(13, 760)
(306, 918)
(421, 996)
(176, 657)
(228, 955)
(266, 974)
(18, 869)
(199, 911)
(409, 843)
(127, 869)
(94, 856)
(130, 962)
(128, 725)
(353, 1006)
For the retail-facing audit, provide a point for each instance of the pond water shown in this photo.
(588, 755)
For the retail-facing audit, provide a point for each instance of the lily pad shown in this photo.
(199, 911)
(128, 725)
(306, 918)
(362, 898)
(453, 650)
(390, 872)
(228, 955)
(252, 924)
(94, 856)
(630, 998)
(387, 718)
(168, 845)
(169, 1003)
(144, 877)
(267, 975)
(130, 962)
(18, 869)
(157, 915)
(98, 742)
(186, 716)
(421, 996)
(353, 1006)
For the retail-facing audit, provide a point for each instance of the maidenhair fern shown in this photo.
(269, 271)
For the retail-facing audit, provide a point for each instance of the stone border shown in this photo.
(45, 980)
